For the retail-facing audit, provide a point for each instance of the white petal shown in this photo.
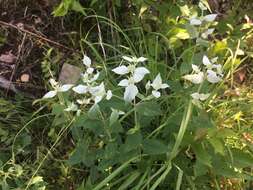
(95, 77)
(139, 73)
(206, 61)
(71, 107)
(210, 18)
(195, 22)
(98, 99)
(90, 70)
(50, 94)
(148, 85)
(123, 82)
(65, 87)
(156, 94)
(198, 96)
(195, 78)
(83, 101)
(214, 60)
(130, 92)
(121, 70)
(86, 61)
(141, 59)
(195, 68)
(203, 97)
(202, 6)
(109, 95)
(212, 77)
(207, 33)
(53, 82)
(218, 69)
(129, 59)
(164, 85)
(80, 89)
(195, 96)
(157, 82)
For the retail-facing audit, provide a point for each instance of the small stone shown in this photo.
(25, 78)
(70, 74)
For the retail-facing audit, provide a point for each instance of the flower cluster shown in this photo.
(202, 30)
(92, 91)
(212, 72)
(135, 75)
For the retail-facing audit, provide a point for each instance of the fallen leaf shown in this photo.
(8, 57)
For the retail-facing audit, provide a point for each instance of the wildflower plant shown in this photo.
(129, 124)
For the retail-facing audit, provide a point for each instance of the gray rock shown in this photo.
(70, 74)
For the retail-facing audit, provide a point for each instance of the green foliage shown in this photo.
(169, 142)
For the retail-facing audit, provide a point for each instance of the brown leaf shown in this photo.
(240, 75)
(8, 57)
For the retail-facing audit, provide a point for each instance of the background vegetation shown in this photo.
(174, 144)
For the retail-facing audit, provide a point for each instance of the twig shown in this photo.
(36, 35)
(17, 60)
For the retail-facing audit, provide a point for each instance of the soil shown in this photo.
(27, 29)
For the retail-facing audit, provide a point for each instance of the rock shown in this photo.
(24, 78)
(70, 74)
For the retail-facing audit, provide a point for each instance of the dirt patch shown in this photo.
(27, 29)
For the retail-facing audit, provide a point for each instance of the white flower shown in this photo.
(195, 21)
(57, 88)
(130, 89)
(134, 59)
(50, 94)
(86, 61)
(80, 89)
(212, 77)
(109, 95)
(90, 70)
(218, 68)
(83, 101)
(199, 96)
(195, 78)
(202, 6)
(207, 33)
(121, 70)
(71, 107)
(138, 73)
(207, 62)
(210, 17)
(87, 78)
(195, 68)
(148, 85)
(157, 85)
(130, 92)
(99, 92)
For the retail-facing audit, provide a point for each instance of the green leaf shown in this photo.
(76, 6)
(200, 169)
(133, 141)
(153, 146)
(149, 109)
(242, 159)
(81, 155)
(217, 145)
(201, 154)
(114, 117)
